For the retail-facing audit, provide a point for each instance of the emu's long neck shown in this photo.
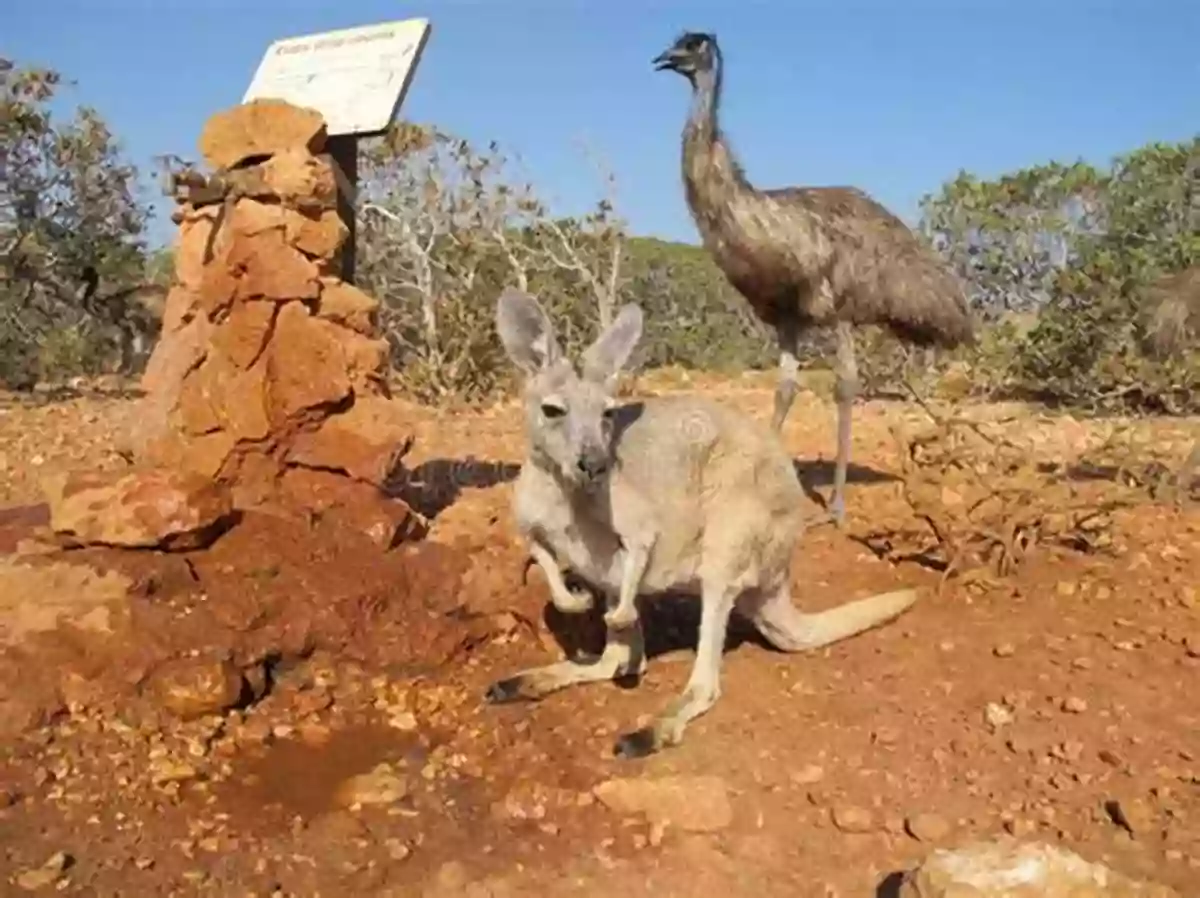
(712, 175)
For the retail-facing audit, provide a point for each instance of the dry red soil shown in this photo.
(1057, 701)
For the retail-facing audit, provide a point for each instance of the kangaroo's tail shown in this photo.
(791, 630)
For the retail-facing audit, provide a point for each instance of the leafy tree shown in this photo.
(1082, 249)
(694, 317)
(71, 230)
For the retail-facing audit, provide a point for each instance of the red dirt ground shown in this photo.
(1056, 702)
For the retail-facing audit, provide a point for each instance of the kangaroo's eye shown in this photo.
(550, 410)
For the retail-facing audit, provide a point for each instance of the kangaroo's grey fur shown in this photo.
(679, 494)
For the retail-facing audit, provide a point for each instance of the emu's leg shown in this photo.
(703, 686)
(624, 655)
(845, 389)
(789, 371)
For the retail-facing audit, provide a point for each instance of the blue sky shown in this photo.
(893, 96)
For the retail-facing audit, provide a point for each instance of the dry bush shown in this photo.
(985, 496)
(444, 228)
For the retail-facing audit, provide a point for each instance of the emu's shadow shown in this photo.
(433, 486)
(813, 474)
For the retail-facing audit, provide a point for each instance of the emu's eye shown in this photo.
(550, 410)
(610, 413)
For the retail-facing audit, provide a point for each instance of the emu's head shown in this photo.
(694, 53)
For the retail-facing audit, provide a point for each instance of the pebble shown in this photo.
(1191, 645)
(850, 819)
(397, 850)
(164, 771)
(997, 715)
(689, 803)
(1004, 650)
(807, 775)
(47, 874)
(927, 827)
(380, 785)
(1074, 705)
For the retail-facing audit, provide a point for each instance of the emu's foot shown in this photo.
(837, 510)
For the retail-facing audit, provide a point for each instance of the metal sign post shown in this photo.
(356, 78)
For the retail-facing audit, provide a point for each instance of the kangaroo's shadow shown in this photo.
(670, 623)
(433, 486)
(889, 887)
(819, 473)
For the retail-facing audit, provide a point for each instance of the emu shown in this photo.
(808, 256)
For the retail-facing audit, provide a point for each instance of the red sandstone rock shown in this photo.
(205, 455)
(178, 352)
(138, 509)
(260, 128)
(181, 308)
(250, 217)
(218, 286)
(316, 232)
(266, 267)
(242, 337)
(191, 245)
(367, 442)
(348, 306)
(320, 234)
(219, 395)
(367, 363)
(309, 364)
(301, 180)
(691, 803)
(193, 687)
(267, 361)
(253, 471)
(1007, 868)
(355, 506)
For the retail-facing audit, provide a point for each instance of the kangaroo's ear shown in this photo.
(525, 331)
(605, 358)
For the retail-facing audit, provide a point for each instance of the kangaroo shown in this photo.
(675, 493)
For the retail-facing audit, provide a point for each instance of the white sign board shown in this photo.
(356, 77)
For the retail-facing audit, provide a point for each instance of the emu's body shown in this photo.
(808, 256)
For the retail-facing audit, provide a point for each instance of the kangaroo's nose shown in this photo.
(592, 465)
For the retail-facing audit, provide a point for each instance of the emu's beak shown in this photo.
(667, 59)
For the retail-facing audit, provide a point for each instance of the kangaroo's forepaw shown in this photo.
(573, 601)
(621, 617)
